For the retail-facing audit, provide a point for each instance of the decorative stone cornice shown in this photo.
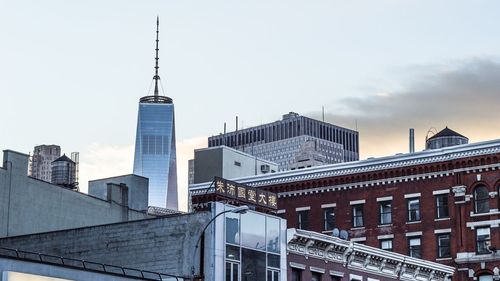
(363, 258)
(377, 164)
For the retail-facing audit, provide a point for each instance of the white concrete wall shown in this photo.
(28, 205)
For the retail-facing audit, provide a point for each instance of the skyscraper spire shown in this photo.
(157, 77)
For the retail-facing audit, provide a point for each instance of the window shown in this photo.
(273, 235)
(481, 199)
(315, 276)
(273, 275)
(482, 240)
(414, 247)
(357, 215)
(232, 271)
(385, 212)
(296, 274)
(236, 163)
(442, 206)
(443, 243)
(232, 228)
(303, 219)
(486, 278)
(386, 244)
(328, 218)
(414, 209)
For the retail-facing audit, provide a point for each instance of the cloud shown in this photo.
(185, 152)
(464, 96)
(105, 160)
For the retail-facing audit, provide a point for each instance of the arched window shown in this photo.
(481, 199)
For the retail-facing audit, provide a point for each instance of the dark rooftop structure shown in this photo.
(444, 138)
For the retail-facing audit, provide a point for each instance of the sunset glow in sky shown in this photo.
(72, 73)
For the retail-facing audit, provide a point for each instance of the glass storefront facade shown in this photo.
(253, 247)
(155, 153)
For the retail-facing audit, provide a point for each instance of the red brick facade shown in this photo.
(423, 176)
(468, 172)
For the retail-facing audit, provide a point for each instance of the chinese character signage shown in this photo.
(246, 193)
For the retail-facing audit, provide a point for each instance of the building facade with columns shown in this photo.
(440, 205)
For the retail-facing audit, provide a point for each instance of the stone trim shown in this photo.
(331, 205)
(415, 233)
(297, 265)
(358, 239)
(413, 195)
(303, 209)
(386, 198)
(490, 223)
(387, 236)
(441, 191)
(445, 230)
(336, 273)
(317, 269)
(356, 202)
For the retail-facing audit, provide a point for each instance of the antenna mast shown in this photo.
(157, 77)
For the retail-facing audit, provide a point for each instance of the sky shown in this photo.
(72, 72)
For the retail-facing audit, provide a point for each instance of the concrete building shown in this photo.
(29, 205)
(280, 141)
(440, 205)
(155, 151)
(16, 265)
(249, 246)
(41, 165)
(229, 163)
(137, 186)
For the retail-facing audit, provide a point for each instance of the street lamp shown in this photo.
(237, 210)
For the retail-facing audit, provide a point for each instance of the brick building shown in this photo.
(440, 205)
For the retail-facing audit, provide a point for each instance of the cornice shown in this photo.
(364, 258)
(369, 165)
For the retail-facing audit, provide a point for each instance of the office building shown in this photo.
(155, 150)
(41, 165)
(440, 205)
(226, 162)
(282, 140)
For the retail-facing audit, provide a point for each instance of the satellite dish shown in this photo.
(336, 232)
(344, 235)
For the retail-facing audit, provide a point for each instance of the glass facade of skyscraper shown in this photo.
(155, 152)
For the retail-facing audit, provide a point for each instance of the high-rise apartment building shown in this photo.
(283, 141)
(43, 156)
(155, 156)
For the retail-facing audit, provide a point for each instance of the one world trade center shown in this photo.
(155, 156)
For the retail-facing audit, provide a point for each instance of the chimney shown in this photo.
(412, 140)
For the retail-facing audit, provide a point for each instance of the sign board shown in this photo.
(245, 193)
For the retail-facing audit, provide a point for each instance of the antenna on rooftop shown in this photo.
(323, 110)
(157, 77)
(428, 135)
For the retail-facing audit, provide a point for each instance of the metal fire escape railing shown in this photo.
(88, 265)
